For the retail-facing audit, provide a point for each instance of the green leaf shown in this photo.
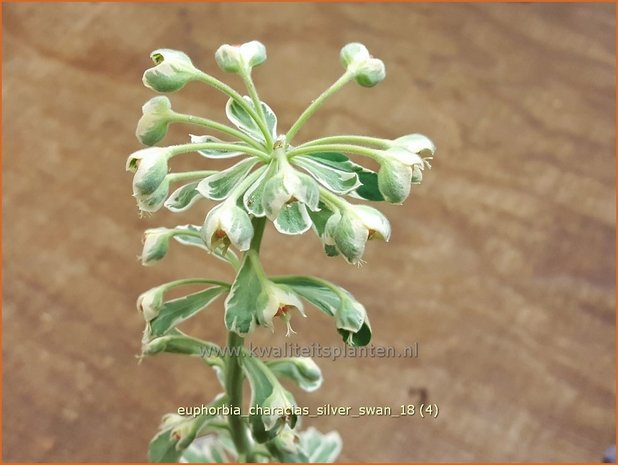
(350, 315)
(162, 448)
(219, 185)
(183, 198)
(368, 179)
(322, 448)
(293, 219)
(178, 310)
(302, 370)
(248, 293)
(243, 121)
(334, 179)
(216, 153)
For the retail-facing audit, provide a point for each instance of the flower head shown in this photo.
(172, 71)
(240, 58)
(350, 229)
(156, 245)
(280, 303)
(150, 302)
(402, 164)
(286, 187)
(150, 183)
(227, 224)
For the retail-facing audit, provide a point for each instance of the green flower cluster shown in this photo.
(296, 187)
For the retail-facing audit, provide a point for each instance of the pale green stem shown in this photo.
(333, 200)
(208, 123)
(233, 373)
(189, 281)
(227, 90)
(246, 77)
(355, 149)
(310, 110)
(188, 148)
(348, 139)
(187, 175)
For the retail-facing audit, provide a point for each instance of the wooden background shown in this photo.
(501, 264)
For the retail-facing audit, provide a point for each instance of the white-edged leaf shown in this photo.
(334, 179)
(252, 199)
(243, 120)
(246, 295)
(368, 190)
(183, 198)
(215, 153)
(302, 370)
(178, 310)
(293, 219)
(218, 186)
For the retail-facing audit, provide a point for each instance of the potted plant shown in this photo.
(313, 185)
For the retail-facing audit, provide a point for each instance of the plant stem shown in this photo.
(356, 149)
(186, 175)
(310, 110)
(227, 90)
(351, 139)
(233, 389)
(194, 147)
(246, 77)
(208, 123)
(233, 373)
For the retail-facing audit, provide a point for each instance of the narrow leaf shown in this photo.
(243, 121)
(176, 311)
(335, 179)
(219, 185)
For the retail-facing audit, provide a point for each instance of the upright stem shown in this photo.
(234, 375)
(342, 81)
(233, 389)
(246, 77)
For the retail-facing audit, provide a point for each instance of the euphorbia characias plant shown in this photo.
(298, 187)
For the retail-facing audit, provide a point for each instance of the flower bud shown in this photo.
(350, 230)
(394, 181)
(150, 168)
(150, 303)
(238, 58)
(152, 126)
(367, 71)
(156, 245)
(154, 202)
(227, 224)
(172, 71)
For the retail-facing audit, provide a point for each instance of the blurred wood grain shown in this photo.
(501, 264)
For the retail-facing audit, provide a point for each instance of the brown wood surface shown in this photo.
(501, 265)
